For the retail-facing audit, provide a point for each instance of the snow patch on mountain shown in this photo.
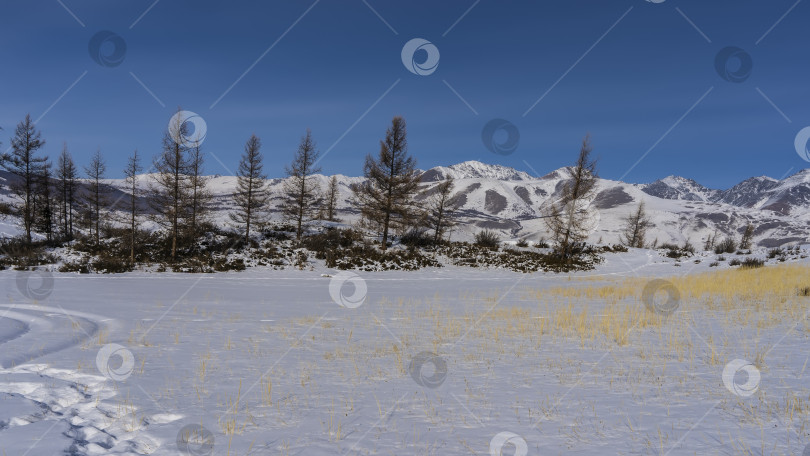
(474, 170)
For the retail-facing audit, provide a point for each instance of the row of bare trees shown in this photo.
(180, 201)
(177, 197)
(177, 190)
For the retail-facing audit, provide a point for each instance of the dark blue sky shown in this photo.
(640, 67)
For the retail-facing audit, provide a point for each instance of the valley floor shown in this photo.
(449, 361)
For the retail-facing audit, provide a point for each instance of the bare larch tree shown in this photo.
(568, 218)
(330, 200)
(301, 192)
(131, 178)
(747, 237)
(385, 198)
(251, 196)
(169, 188)
(24, 163)
(199, 195)
(440, 207)
(43, 203)
(66, 175)
(635, 227)
(95, 197)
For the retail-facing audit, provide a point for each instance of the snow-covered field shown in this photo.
(450, 361)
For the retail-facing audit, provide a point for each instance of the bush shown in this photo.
(773, 253)
(488, 239)
(300, 259)
(111, 265)
(236, 264)
(619, 248)
(7, 209)
(17, 252)
(804, 291)
(330, 239)
(417, 237)
(369, 258)
(674, 251)
(714, 264)
(81, 267)
(735, 262)
(751, 263)
(541, 244)
(526, 261)
(522, 243)
(727, 245)
(688, 247)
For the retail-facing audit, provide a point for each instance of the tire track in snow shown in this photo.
(46, 409)
(47, 330)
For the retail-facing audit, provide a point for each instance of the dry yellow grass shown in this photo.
(759, 298)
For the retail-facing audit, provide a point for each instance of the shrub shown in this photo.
(541, 244)
(714, 264)
(804, 291)
(751, 263)
(688, 247)
(727, 245)
(236, 264)
(369, 258)
(81, 267)
(526, 261)
(300, 259)
(522, 243)
(735, 262)
(277, 235)
(488, 239)
(331, 239)
(331, 261)
(17, 252)
(417, 237)
(674, 251)
(111, 265)
(7, 209)
(619, 248)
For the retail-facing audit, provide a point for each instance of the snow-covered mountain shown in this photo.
(474, 170)
(680, 188)
(512, 202)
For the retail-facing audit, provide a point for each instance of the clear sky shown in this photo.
(641, 77)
